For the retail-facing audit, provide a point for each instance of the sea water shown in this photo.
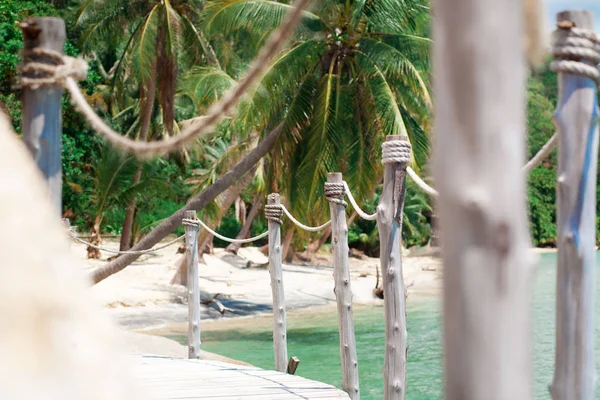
(313, 338)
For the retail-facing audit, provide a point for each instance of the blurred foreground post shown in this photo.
(576, 121)
(480, 69)
(334, 191)
(42, 106)
(191, 247)
(396, 155)
(273, 214)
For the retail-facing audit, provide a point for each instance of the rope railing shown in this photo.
(359, 211)
(186, 222)
(300, 224)
(230, 240)
(531, 164)
(421, 183)
(64, 71)
(147, 251)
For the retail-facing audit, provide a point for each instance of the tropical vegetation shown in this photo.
(350, 76)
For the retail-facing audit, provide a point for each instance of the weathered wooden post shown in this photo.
(273, 213)
(42, 106)
(480, 69)
(396, 155)
(576, 51)
(334, 191)
(191, 247)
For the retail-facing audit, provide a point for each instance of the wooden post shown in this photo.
(389, 222)
(293, 365)
(479, 150)
(276, 272)
(191, 248)
(343, 293)
(42, 116)
(576, 121)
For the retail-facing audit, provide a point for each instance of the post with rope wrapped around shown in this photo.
(273, 213)
(396, 156)
(334, 192)
(577, 52)
(192, 226)
(41, 102)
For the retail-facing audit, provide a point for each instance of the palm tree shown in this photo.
(355, 72)
(326, 103)
(154, 37)
(113, 188)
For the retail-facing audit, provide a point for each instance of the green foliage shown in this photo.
(229, 227)
(349, 78)
(354, 72)
(416, 231)
(541, 187)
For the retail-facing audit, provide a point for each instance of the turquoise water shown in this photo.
(313, 338)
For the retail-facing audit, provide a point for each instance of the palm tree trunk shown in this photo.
(256, 206)
(150, 95)
(197, 203)
(95, 238)
(288, 247)
(316, 245)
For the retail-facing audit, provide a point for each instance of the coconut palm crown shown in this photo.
(355, 72)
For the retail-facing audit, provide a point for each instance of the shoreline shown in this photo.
(140, 299)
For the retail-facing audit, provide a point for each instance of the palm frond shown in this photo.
(256, 16)
(397, 16)
(205, 85)
(147, 44)
(259, 105)
(318, 157)
(386, 106)
(196, 36)
(395, 66)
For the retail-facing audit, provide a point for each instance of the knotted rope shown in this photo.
(190, 222)
(396, 151)
(335, 192)
(274, 212)
(54, 72)
(70, 71)
(577, 52)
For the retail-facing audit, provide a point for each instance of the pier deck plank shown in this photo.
(167, 378)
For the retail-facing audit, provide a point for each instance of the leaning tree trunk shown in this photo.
(205, 238)
(288, 250)
(480, 70)
(126, 231)
(197, 203)
(256, 207)
(313, 247)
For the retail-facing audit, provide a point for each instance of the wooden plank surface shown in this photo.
(176, 378)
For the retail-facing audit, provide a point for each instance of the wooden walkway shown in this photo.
(174, 378)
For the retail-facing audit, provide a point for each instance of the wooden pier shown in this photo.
(165, 378)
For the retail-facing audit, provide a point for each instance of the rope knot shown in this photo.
(43, 67)
(335, 193)
(577, 51)
(191, 222)
(274, 212)
(396, 151)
